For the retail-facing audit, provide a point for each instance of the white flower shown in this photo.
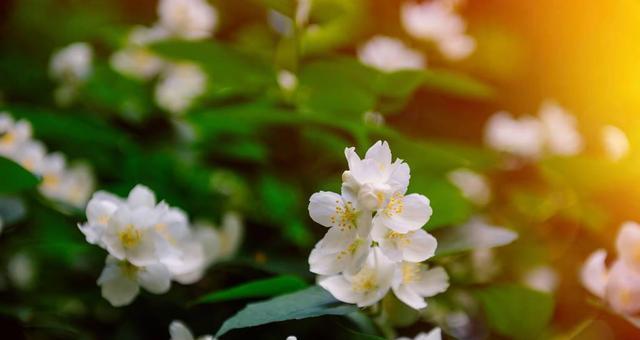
(136, 60)
(374, 179)
(404, 214)
(72, 186)
(99, 211)
(373, 118)
(179, 331)
(522, 137)
(303, 9)
(121, 280)
(131, 235)
(12, 134)
(473, 186)
(287, 81)
(366, 287)
(412, 246)
(617, 286)
(616, 143)
(21, 270)
(594, 274)
(179, 86)
(541, 278)
(560, 133)
(30, 155)
(437, 22)
(71, 64)
(389, 54)
(434, 334)
(230, 234)
(341, 250)
(412, 282)
(188, 19)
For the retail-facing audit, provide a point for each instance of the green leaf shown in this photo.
(259, 288)
(308, 303)
(15, 178)
(475, 234)
(515, 311)
(230, 72)
(456, 84)
(339, 85)
(400, 83)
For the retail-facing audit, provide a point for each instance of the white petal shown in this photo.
(118, 288)
(594, 273)
(327, 208)
(432, 282)
(622, 291)
(340, 288)
(179, 331)
(419, 247)
(407, 213)
(434, 334)
(99, 211)
(409, 297)
(92, 232)
(155, 278)
(400, 176)
(144, 252)
(628, 243)
(380, 152)
(141, 196)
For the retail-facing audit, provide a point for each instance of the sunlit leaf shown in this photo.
(260, 288)
(308, 303)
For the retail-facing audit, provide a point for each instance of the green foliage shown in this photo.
(515, 311)
(308, 303)
(15, 178)
(260, 288)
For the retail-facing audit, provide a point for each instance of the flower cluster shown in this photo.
(68, 185)
(375, 240)
(70, 67)
(150, 244)
(180, 82)
(437, 22)
(617, 285)
(553, 132)
(390, 54)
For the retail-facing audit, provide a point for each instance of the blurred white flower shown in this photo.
(541, 278)
(136, 60)
(473, 185)
(71, 64)
(616, 143)
(188, 19)
(303, 9)
(373, 118)
(21, 270)
(179, 331)
(436, 21)
(618, 286)
(120, 280)
(434, 334)
(12, 134)
(560, 132)
(287, 81)
(144, 237)
(180, 84)
(389, 54)
(367, 286)
(518, 136)
(412, 282)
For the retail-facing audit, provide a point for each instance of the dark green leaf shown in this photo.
(15, 178)
(308, 303)
(515, 311)
(260, 288)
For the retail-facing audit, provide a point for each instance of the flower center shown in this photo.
(128, 269)
(7, 138)
(410, 272)
(395, 205)
(364, 282)
(345, 216)
(351, 249)
(130, 236)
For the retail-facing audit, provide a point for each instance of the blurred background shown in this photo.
(248, 148)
